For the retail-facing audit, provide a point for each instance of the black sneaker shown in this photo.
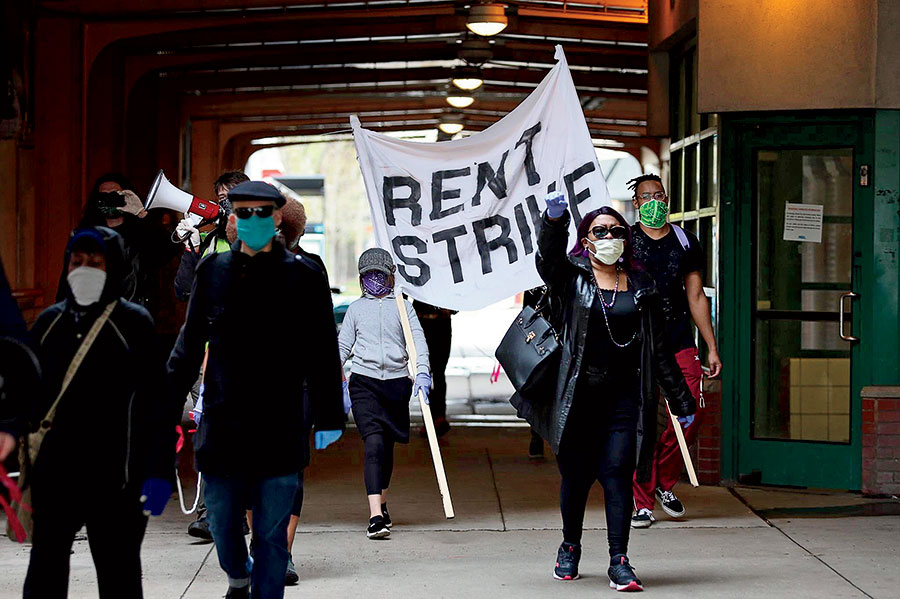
(377, 529)
(441, 427)
(291, 577)
(536, 448)
(238, 592)
(621, 575)
(670, 504)
(567, 559)
(199, 529)
(386, 516)
(642, 519)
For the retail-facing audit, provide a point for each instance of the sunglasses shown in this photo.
(260, 211)
(617, 231)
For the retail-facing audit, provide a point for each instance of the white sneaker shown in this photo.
(642, 519)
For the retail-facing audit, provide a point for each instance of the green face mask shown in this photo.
(654, 213)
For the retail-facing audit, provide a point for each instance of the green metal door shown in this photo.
(798, 217)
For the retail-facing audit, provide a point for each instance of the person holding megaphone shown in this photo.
(203, 237)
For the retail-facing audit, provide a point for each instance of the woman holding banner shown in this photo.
(603, 416)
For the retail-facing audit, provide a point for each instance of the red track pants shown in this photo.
(667, 460)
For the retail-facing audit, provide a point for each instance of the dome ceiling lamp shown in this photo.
(487, 18)
(451, 123)
(467, 78)
(458, 99)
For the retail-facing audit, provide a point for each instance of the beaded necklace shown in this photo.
(604, 306)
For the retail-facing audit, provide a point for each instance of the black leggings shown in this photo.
(599, 444)
(379, 466)
(613, 466)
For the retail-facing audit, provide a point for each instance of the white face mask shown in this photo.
(607, 251)
(87, 284)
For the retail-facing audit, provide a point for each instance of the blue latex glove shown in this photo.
(326, 438)
(686, 420)
(155, 495)
(423, 383)
(556, 204)
(346, 387)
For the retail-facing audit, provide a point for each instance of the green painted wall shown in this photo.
(881, 329)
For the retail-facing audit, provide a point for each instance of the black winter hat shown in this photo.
(256, 191)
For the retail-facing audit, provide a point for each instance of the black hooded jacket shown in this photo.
(112, 426)
(269, 324)
(571, 285)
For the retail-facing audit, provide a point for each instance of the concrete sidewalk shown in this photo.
(503, 541)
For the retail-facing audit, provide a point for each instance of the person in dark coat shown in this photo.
(437, 326)
(112, 441)
(111, 203)
(602, 417)
(19, 371)
(247, 442)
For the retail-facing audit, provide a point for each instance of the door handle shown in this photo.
(849, 338)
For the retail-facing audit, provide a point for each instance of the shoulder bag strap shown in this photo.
(681, 235)
(47, 422)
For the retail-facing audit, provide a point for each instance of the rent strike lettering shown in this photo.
(527, 138)
(439, 194)
(485, 247)
(412, 201)
(496, 181)
(487, 176)
(524, 229)
(575, 199)
(450, 235)
(424, 270)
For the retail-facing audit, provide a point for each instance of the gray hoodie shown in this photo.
(372, 329)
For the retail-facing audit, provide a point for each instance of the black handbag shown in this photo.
(530, 353)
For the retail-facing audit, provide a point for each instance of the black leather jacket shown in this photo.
(571, 284)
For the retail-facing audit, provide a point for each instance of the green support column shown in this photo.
(883, 330)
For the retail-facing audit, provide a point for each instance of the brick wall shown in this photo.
(707, 452)
(881, 440)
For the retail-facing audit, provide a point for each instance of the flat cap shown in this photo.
(376, 259)
(256, 191)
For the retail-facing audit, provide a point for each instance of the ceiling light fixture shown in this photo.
(457, 100)
(467, 78)
(451, 124)
(487, 19)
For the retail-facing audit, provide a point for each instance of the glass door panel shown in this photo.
(802, 364)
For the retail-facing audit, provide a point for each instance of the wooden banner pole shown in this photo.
(426, 410)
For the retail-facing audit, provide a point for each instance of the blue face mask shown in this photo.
(255, 231)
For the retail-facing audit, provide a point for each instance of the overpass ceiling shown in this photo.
(303, 66)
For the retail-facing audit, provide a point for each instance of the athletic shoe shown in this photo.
(291, 577)
(238, 592)
(536, 448)
(377, 529)
(670, 504)
(199, 529)
(642, 519)
(386, 516)
(567, 559)
(621, 575)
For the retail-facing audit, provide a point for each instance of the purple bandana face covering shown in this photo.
(375, 283)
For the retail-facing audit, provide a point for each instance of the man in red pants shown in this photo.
(676, 261)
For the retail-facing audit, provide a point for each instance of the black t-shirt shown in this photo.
(600, 352)
(668, 262)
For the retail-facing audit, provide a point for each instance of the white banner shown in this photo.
(460, 217)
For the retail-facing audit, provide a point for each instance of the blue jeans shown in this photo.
(270, 499)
